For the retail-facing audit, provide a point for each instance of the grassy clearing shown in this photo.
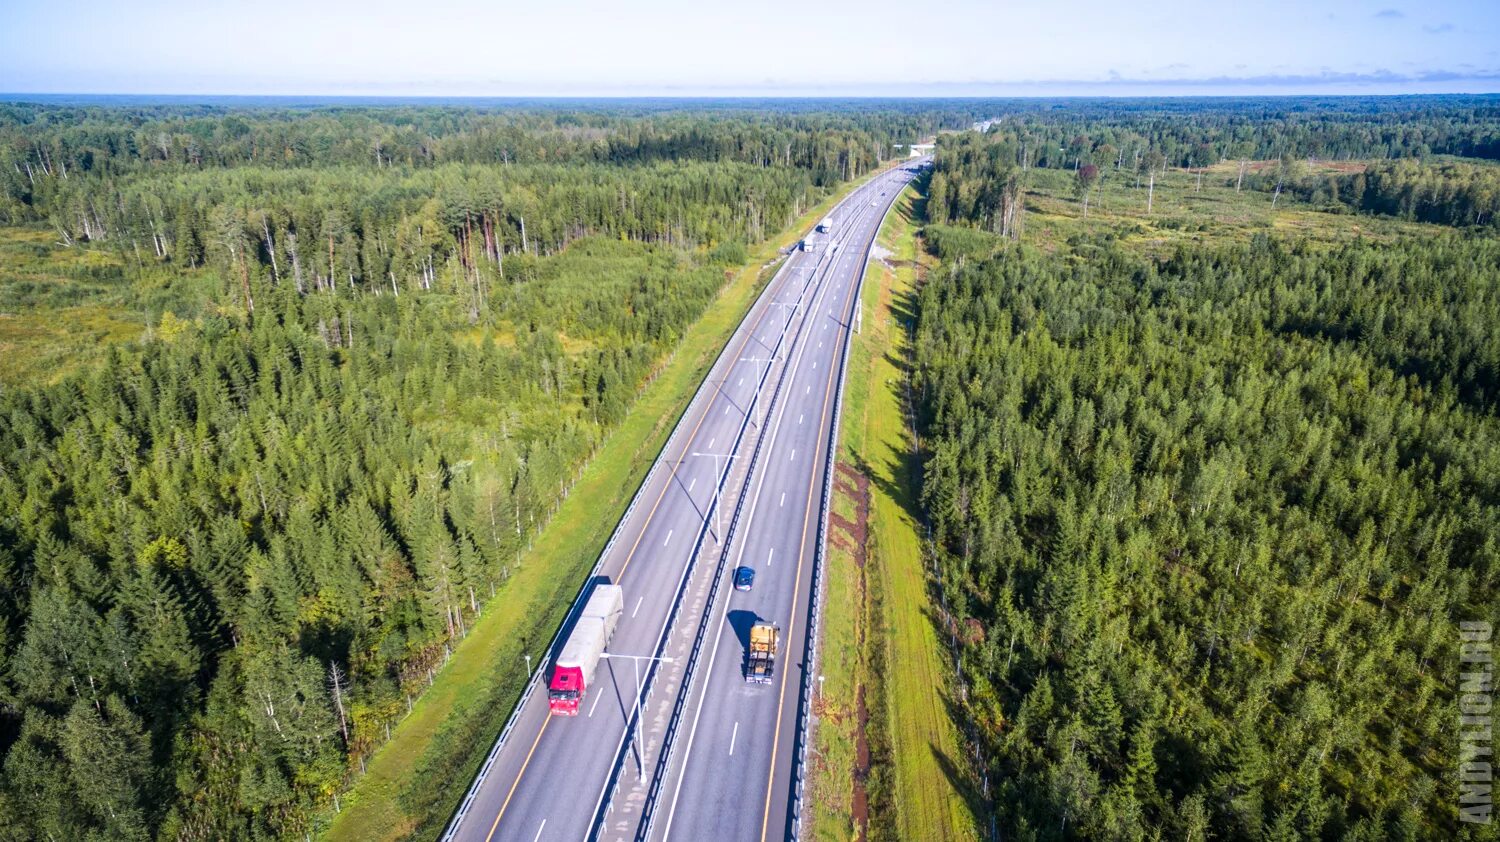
(58, 306)
(61, 308)
(1183, 212)
(920, 794)
(44, 347)
(414, 782)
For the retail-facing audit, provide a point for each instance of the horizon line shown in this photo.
(1341, 92)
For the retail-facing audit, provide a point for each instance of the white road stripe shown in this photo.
(637, 606)
(711, 442)
(724, 618)
(732, 738)
(597, 697)
(770, 555)
(782, 504)
(539, 831)
(669, 537)
(794, 456)
(691, 484)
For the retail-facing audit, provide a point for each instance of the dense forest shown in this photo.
(1209, 520)
(1195, 132)
(380, 345)
(1208, 524)
(42, 146)
(1444, 193)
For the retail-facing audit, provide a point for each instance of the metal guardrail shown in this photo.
(535, 678)
(646, 826)
(578, 601)
(804, 702)
(632, 731)
(643, 831)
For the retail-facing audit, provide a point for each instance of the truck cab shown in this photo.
(565, 691)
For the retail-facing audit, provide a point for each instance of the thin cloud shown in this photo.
(1390, 14)
(1326, 79)
(1439, 29)
(1377, 77)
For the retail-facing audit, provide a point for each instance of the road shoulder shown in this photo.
(888, 753)
(414, 781)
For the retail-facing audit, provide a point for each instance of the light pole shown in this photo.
(755, 398)
(788, 320)
(528, 664)
(635, 660)
(718, 527)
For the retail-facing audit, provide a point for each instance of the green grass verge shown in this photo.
(414, 782)
(918, 784)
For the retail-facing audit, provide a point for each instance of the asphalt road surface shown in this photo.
(732, 779)
(548, 778)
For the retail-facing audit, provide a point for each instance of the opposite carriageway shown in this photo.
(738, 774)
(550, 779)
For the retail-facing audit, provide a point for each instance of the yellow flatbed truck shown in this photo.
(760, 658)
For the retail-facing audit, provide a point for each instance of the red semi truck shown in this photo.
(573, 673)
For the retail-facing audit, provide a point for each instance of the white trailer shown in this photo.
(574, 672)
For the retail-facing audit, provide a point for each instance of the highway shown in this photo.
(550, 777)
(733, 777)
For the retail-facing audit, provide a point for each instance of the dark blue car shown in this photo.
(744, 577)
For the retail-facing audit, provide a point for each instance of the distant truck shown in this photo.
(574, 672)
(760, 659)
(826, 225)
(809, 243)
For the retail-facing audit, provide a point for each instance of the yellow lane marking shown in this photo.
(765, 818)
(524, 764)
(718, 389)
(797, 589)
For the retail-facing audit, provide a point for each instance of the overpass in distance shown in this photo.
(680, 746)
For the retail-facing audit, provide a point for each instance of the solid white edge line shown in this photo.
(739, 551)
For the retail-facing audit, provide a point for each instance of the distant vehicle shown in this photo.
(744, 578)
(574, 672)
(826, 225)
(809, 243)
(873, 203)
(760, 659)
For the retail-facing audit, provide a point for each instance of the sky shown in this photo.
(767, 48)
